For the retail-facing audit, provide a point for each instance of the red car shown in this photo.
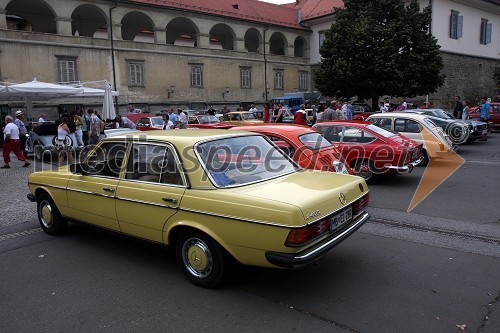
(475, 113)
(207, 121)
(305, 146)
(371, 150)
(149, 123)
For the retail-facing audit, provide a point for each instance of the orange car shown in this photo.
(305, 146)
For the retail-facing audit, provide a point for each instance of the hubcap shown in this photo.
(364, 171)
(197, 257)
(46, 214)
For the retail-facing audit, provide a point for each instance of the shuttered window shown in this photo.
(303, 81)
(196, 76)
(135, 73)
(67, 70)
(456, 25)
(278, 79)
(486, 28)
(246, 78)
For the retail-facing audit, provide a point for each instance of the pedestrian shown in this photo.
(485, 114)
(75, 117)
(267, 111)
(339, 115)
(225, 110)
(63, 149)
(330, 112)
(172, 116)
(211, 111)
(350, 110)
(167, 124)
(182, 119)
(132, 109)
(300, 117)
(253, 109)
(19, 121)
(465, 111)
(85, 127)
(457, 111)
(42, 118)
(12, 143)
(127, 123)
(95, 125)
(319, 113)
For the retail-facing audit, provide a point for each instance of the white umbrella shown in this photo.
(44, 90)
(94, 92)
(108, 108)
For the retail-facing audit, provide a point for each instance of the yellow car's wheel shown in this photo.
(202, 259)
(50, 219)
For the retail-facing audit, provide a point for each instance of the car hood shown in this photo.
(302, 197)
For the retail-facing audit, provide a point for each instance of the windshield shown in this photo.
(248, 116)
(242, 160)
(208, 119)
(314, 141)
(157, 121)
(429, 122)
(381, 131)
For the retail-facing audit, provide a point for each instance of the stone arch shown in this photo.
(183, 32)
(278, 44)
(31, 15)
(299, 47)
(253, 40)
(89, 21)
(138, 27)
(222, 37)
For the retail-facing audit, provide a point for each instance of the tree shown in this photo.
(379, 47)
(496, 75)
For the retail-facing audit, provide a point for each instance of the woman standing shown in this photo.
(465, 111)
(63, 148)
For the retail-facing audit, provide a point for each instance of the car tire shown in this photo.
(49, 216)
(425, 160)
(365, 169)
(202, 259)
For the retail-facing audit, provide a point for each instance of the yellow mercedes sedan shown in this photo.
(215, 196)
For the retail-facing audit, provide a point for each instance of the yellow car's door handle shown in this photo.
(108, 189)
(169, 200)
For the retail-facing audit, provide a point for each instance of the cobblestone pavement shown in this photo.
(14, 182)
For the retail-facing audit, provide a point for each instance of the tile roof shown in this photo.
(316, 8)
(251, 10)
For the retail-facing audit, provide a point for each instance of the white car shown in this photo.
(436, 143)
(41, 140)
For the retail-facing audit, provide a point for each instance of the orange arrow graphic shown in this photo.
(437, 171)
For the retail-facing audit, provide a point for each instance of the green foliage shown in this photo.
(379, 47)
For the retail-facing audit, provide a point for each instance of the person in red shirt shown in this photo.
(300, 117)
(267, 110)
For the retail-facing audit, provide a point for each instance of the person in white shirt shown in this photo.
(253, 109)
(11, 143)
(42, 118)
(182, 122)
(167, 123)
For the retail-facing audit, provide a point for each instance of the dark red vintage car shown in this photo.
(371, 150)
(475, 113)
(207, 121)
(304, 145)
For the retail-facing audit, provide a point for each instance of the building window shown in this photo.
(278, 79)
(135, 73)
(303, 81)
(322, 37)
(246, 78)
(485, 32)
(67, 69)
(456, 25)
(196, 76)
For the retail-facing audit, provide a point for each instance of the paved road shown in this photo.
(425, 271)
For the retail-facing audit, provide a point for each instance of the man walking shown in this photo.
(11, 143)
(182, 119)
(457, 111)
(22, 130)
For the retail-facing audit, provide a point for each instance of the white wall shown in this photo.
(314, 40)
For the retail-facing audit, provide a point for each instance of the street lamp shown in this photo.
(224, 93)
(171, 91)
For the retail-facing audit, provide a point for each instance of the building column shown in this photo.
(204, 41)
(160, 36)
(3, 19)
(64, 26)
(240, 45)
(117, 31)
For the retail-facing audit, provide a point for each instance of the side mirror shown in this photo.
(77, 168)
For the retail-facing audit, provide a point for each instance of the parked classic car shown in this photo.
(362, 111)
(41, 141)
(418, 127)
(173, 188)
(287, 115)
(458, 130)
(371, 150)
(475, 113)
(207, 121)
(239, 118)
(305, 146)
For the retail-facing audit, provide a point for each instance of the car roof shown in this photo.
(182, 136)
(283, 128)
(345, 122)
(400, 114)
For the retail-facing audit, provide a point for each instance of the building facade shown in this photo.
(157, 53)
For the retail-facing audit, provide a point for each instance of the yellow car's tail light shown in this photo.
(301, 236)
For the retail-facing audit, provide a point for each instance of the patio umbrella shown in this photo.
(94, 92)
(108, 108)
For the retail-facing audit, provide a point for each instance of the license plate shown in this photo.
(485, 131)
(339, 219)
